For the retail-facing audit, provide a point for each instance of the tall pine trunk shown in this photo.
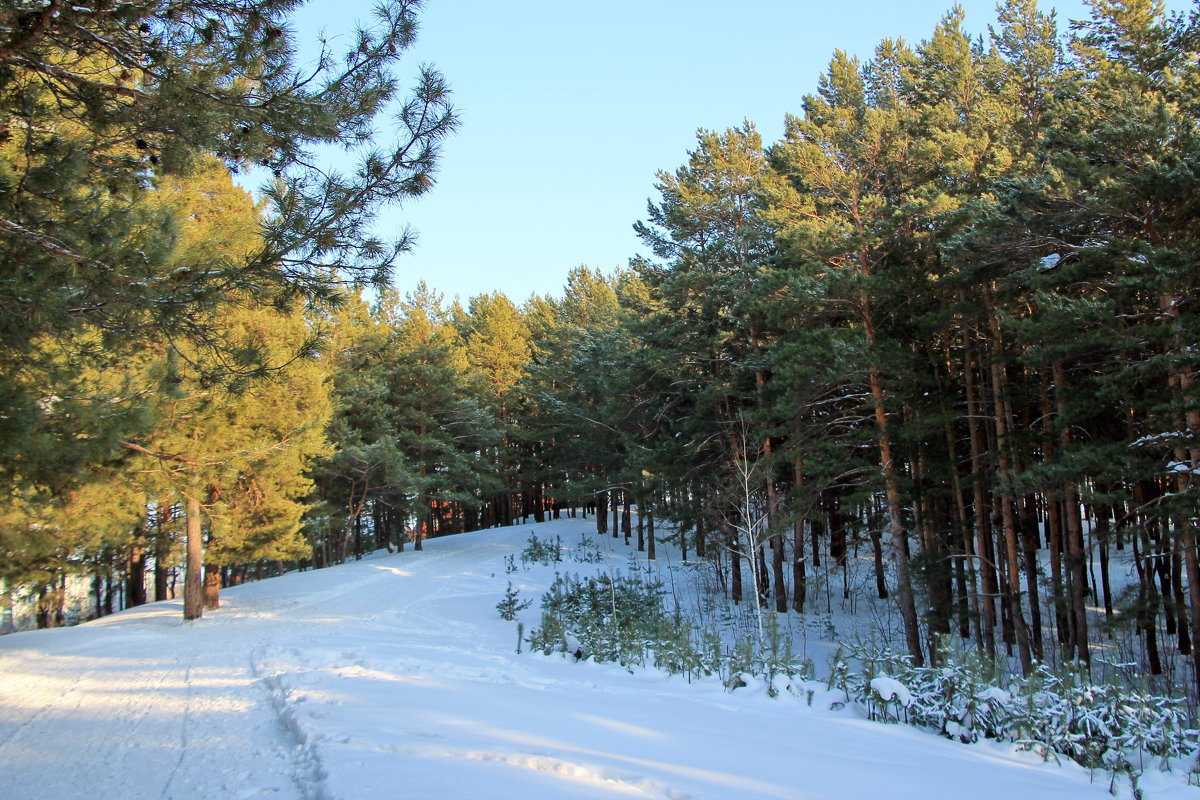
(899, 536)
(1073, 525)
(1181, 380)
(193, 588)
(135, 571)
(799, 578)
(651, 553)
(1012, 548)
(981, 506)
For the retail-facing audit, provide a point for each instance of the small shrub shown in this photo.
(586, 552)
(613, 619)
(541, 552)
(548, 636)
(1052, 714)
(510, 605)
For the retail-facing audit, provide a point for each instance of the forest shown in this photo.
(948, 321)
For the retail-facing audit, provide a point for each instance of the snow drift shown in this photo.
(395, 677)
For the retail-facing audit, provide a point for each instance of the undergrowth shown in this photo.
(631, 619)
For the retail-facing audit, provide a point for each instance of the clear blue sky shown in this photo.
(569, 107)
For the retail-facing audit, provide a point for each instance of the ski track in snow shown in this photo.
(393, 677)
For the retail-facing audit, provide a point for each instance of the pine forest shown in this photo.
(936, 346)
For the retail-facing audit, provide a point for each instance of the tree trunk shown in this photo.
(135, 572)
(881, 588)
(1181, 380)
(967, 602)
(641, 529)
(1054, 534)
(781, 598)
(1029, 548)
(193, 588)
(421, 528)
(1076, 568)
(602, 512)
(760, 575)
(650, 551)
(1186, 634)
(627, 515)
(799, 578)
(899, 536)
(1007, 512)
(162, 550)
(1147, 602)
(988, 583)
(212, 587)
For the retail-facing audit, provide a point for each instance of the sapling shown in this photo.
(510, 605)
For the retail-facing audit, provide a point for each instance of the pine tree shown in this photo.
(714, 245)
(851, 216)
(367, 466)
(237, 450)
(100, 103)
(496, 342)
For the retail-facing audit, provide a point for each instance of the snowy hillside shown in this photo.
(394, 677)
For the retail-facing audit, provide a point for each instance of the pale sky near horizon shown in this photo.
(568, 108)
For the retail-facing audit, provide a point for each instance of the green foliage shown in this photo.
(103, 108)
(1097, 726)
(549, 636)
(510, 606)
(157, 326)
(243, 444)
(586, 551)
(544, 552)
(625, 619)
(613, 619)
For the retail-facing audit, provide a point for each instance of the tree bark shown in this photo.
(981, 508)
(1076, 568)
(651, 554)
(627, 514)
(735, 568)
(135, 572)
(1007, 512)
(899, 536)
(799, 578)
(193, 588)
(212, 587)
(1181, 380)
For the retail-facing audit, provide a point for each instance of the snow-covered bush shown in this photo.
(610, 618)
(624, 618)
(1097, 726)
(1104, 726)
(675, 649)
(549, 636)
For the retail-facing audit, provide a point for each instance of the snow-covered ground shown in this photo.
(394, 677)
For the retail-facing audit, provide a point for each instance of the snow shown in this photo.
(992, 693)
(1049, 262)
(395, 677)
(1165, 437)
(890, 689)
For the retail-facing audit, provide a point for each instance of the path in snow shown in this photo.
(394, 677)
